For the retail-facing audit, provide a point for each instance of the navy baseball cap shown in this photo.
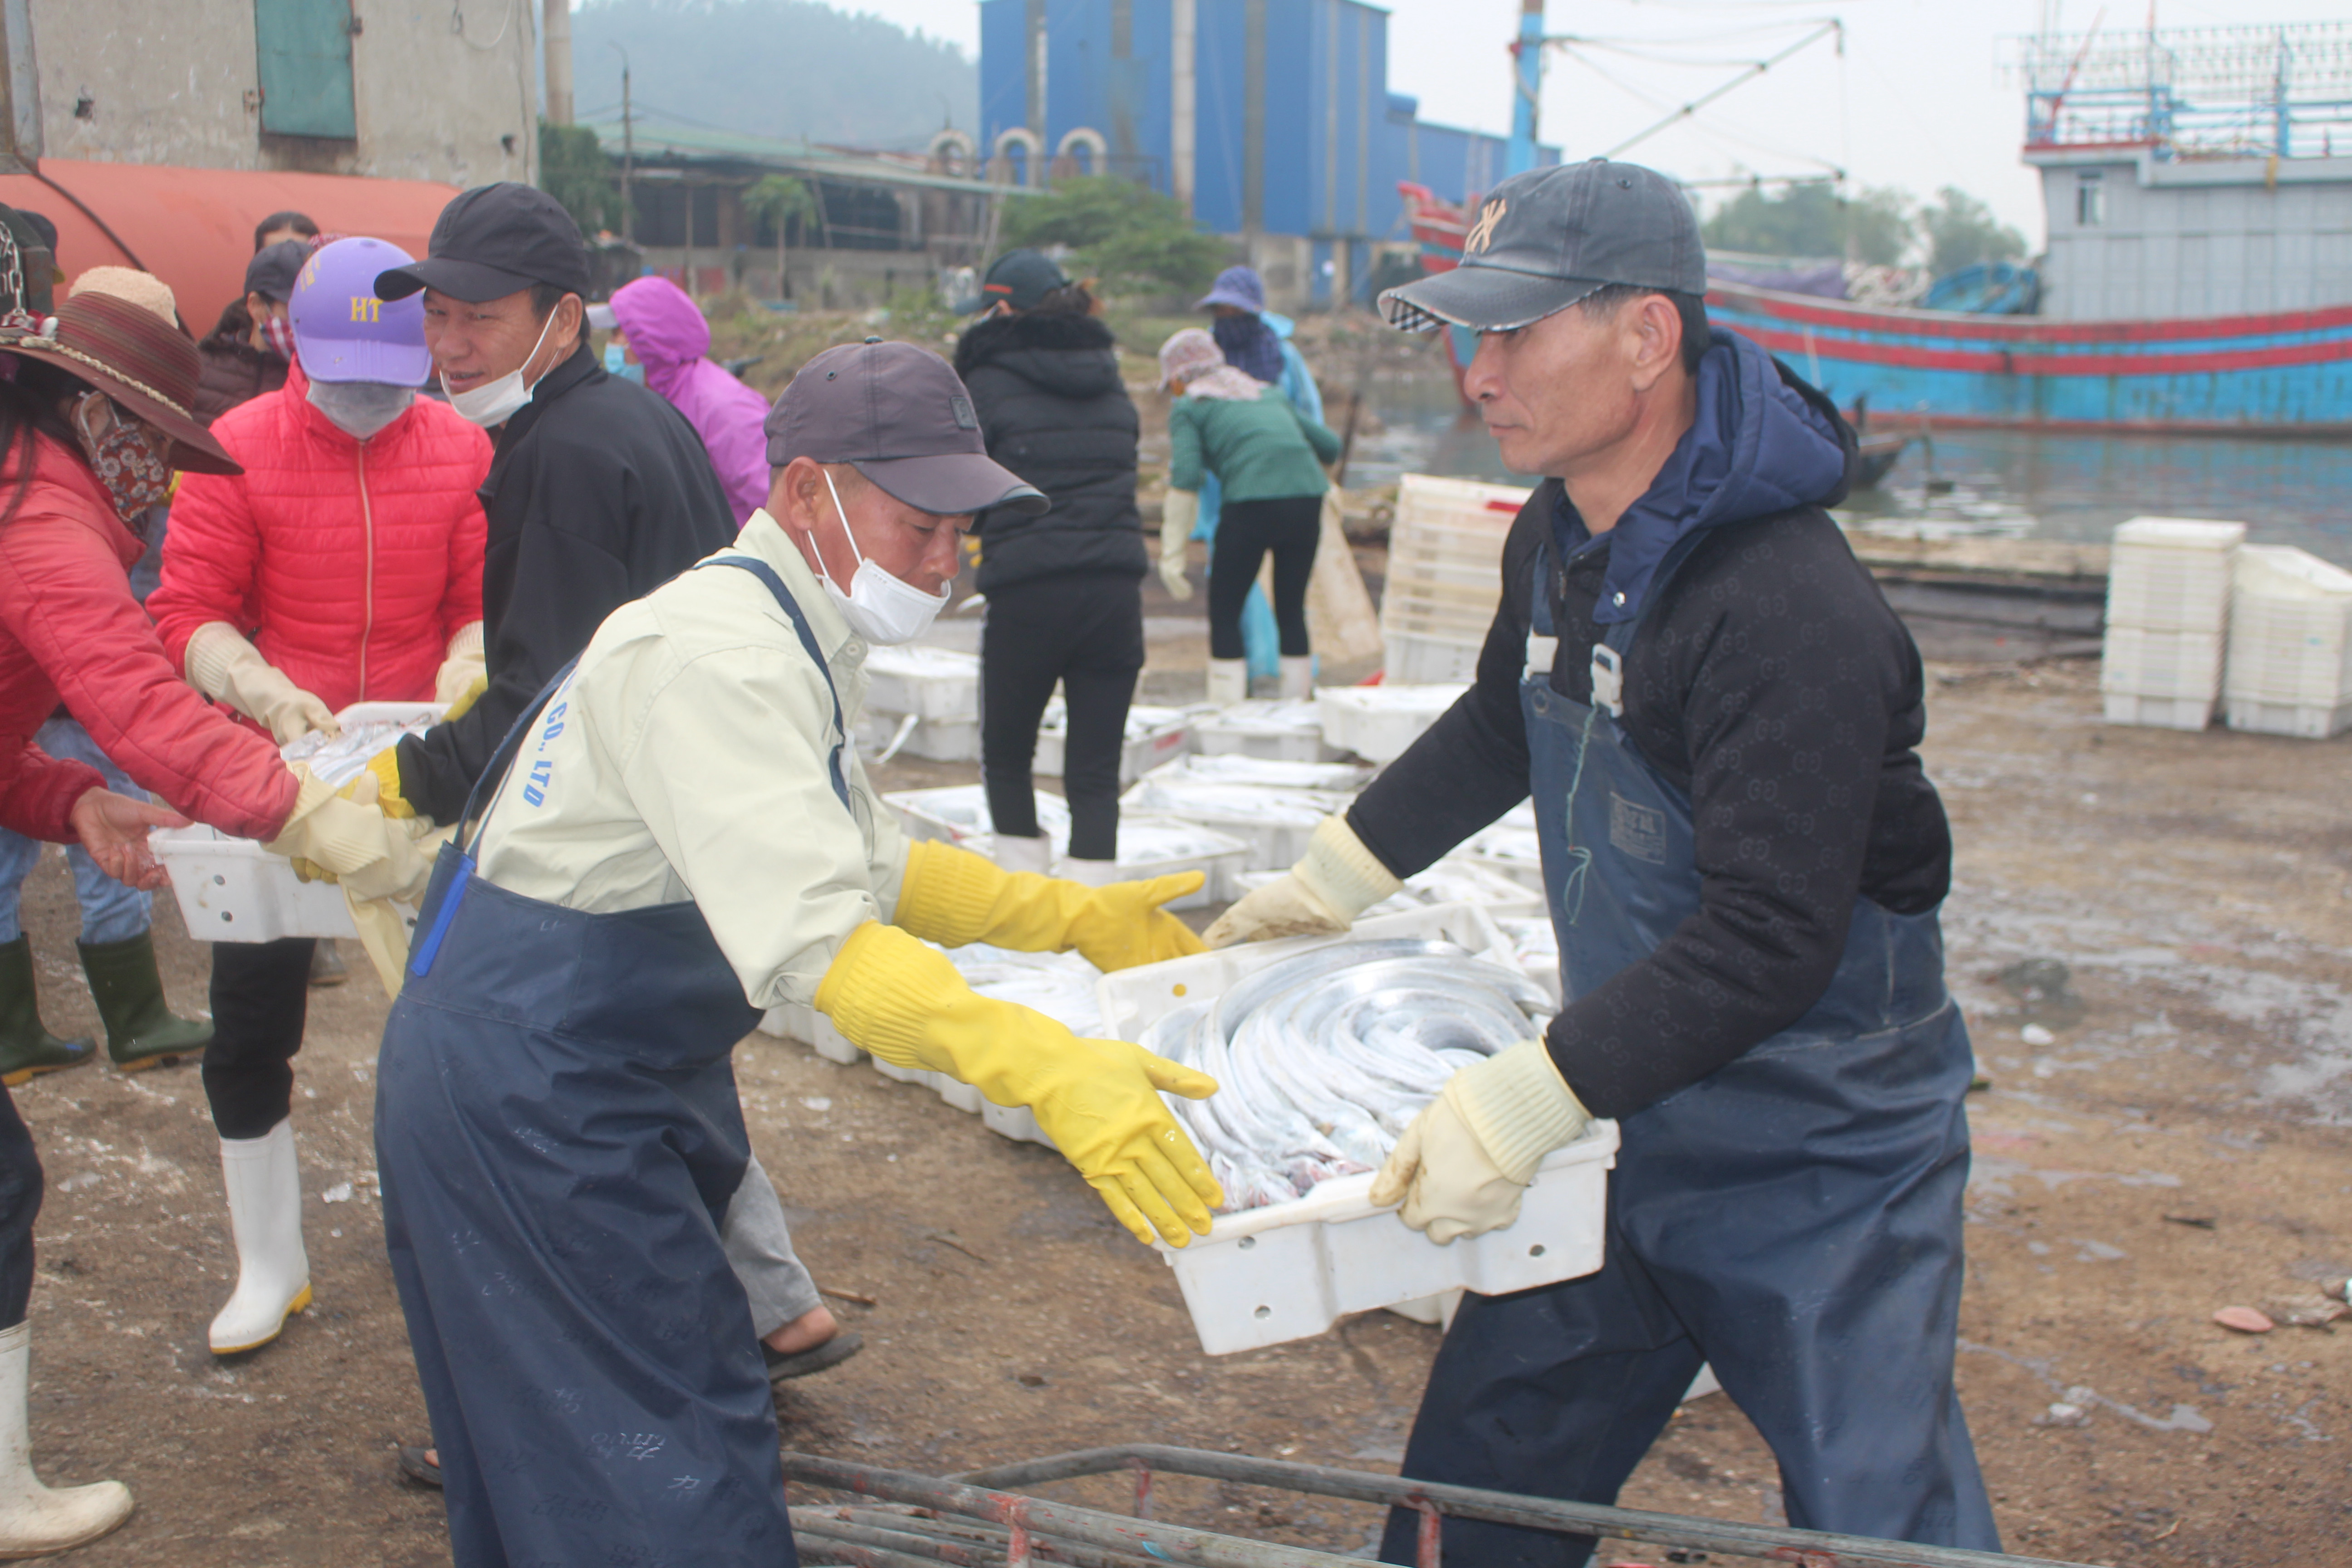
(493, 241)
(1544, 239)
(900, 415)
(1020, 278)
(274, 268)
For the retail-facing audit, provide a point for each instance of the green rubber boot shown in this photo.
(142, 1031)
(27, 1049)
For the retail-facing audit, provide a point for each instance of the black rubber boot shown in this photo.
(142, 1031)
(327, 965)
(27, 1049)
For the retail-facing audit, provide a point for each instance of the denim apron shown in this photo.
(559, 1136)
(1792, 1219)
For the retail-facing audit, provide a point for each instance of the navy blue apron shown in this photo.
(559, 1136)
(1794, 1218)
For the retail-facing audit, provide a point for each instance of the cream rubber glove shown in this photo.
(1461, 1166)
(954, 897)
(1098, 1100)
(336, 838)
(224, 666)
(1337, 881)
(1177, 515)
(461, 665)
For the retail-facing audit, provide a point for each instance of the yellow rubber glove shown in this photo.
(1178, 513)
(339, 839)
(384, 767)
(461, 665)
(224, 666)
(952, 896)
(1461, 1166)
(467, 695)
(1098, 1100)
(1337, 881)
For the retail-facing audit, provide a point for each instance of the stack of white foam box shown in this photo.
(1445, 574)
(2289, 670)
(2167, 614)
(1378, 722)
(937, 688)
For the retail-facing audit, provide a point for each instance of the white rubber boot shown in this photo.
(1228, 681)
(1298, 676)
(35, 1521)
(265, 1211)
(1091, 873)
(1016, 853)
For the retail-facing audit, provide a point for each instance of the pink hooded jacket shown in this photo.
(667, 334)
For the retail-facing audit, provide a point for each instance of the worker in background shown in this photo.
(1267, 456)
(599, 491)
(252, 347)
(342, 565)
(660, 335)
(1719, 718)
(679, 836)
(94, 417)
(1063, 591)
(116, 946)
(1257, 342)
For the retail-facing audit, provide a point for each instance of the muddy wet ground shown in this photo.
(2176, 1142)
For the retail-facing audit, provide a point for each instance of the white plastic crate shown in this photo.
(2290, 651)
(929, 682)
(1378, 723)
(2161, 664)
(2308, 720)
(959, 812)
(1288, 731)
(232, 889)
(1430, 660)
(2159, 712)
(2171, 573)
(1286, 1271)
(1444, 563)
(1154, 736)
(1159, 846)
(1275, 823)
(794, 1021)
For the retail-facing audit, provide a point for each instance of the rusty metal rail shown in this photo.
(934, 1526)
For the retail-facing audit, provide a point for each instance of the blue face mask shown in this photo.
(615, 364)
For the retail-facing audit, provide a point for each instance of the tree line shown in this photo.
(1879, 226)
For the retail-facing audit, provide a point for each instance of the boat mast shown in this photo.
(1526, 88)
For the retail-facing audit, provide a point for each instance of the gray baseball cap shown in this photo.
(900, 416)
(1544, 239)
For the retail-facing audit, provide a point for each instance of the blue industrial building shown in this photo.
(1271, 118)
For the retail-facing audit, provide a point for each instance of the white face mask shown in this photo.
(359, 408)
(879, 607)
(493, 402)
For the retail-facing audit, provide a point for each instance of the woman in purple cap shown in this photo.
(344, 566)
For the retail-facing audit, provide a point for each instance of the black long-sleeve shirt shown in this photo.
(599, 492)
(1774, 687)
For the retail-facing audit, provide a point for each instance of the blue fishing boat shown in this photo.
(2198, 272)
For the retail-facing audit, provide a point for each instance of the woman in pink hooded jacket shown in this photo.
(657, 325)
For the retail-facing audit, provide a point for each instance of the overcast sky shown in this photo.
(1918, 100)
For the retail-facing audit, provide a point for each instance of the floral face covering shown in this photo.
(134, 474)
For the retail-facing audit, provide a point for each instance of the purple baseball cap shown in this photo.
(900, 416)
(343, 332)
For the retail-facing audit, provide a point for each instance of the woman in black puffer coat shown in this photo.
(1063, 587)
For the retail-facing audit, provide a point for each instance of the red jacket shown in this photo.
(70, 630)
(348, 564)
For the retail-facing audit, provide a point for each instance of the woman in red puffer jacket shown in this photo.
(344, 566)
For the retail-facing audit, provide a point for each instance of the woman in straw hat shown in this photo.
(94, 416)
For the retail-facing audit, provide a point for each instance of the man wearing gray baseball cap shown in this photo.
(676, 836)
(1716, 716)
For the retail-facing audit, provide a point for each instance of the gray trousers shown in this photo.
(760, 1249)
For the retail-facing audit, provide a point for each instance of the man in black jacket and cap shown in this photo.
(1064, 600)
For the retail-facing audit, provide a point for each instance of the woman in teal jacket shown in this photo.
(1267, 458)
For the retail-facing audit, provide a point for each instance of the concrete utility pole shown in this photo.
(1182, 97)
(629, 162)
(1526, 88)
(556, 29)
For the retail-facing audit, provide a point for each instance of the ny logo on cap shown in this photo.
(1482, 233)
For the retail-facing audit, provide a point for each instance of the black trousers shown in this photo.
(20, 1205)
(1084, 630)
(261, 997)
(1290, 526)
